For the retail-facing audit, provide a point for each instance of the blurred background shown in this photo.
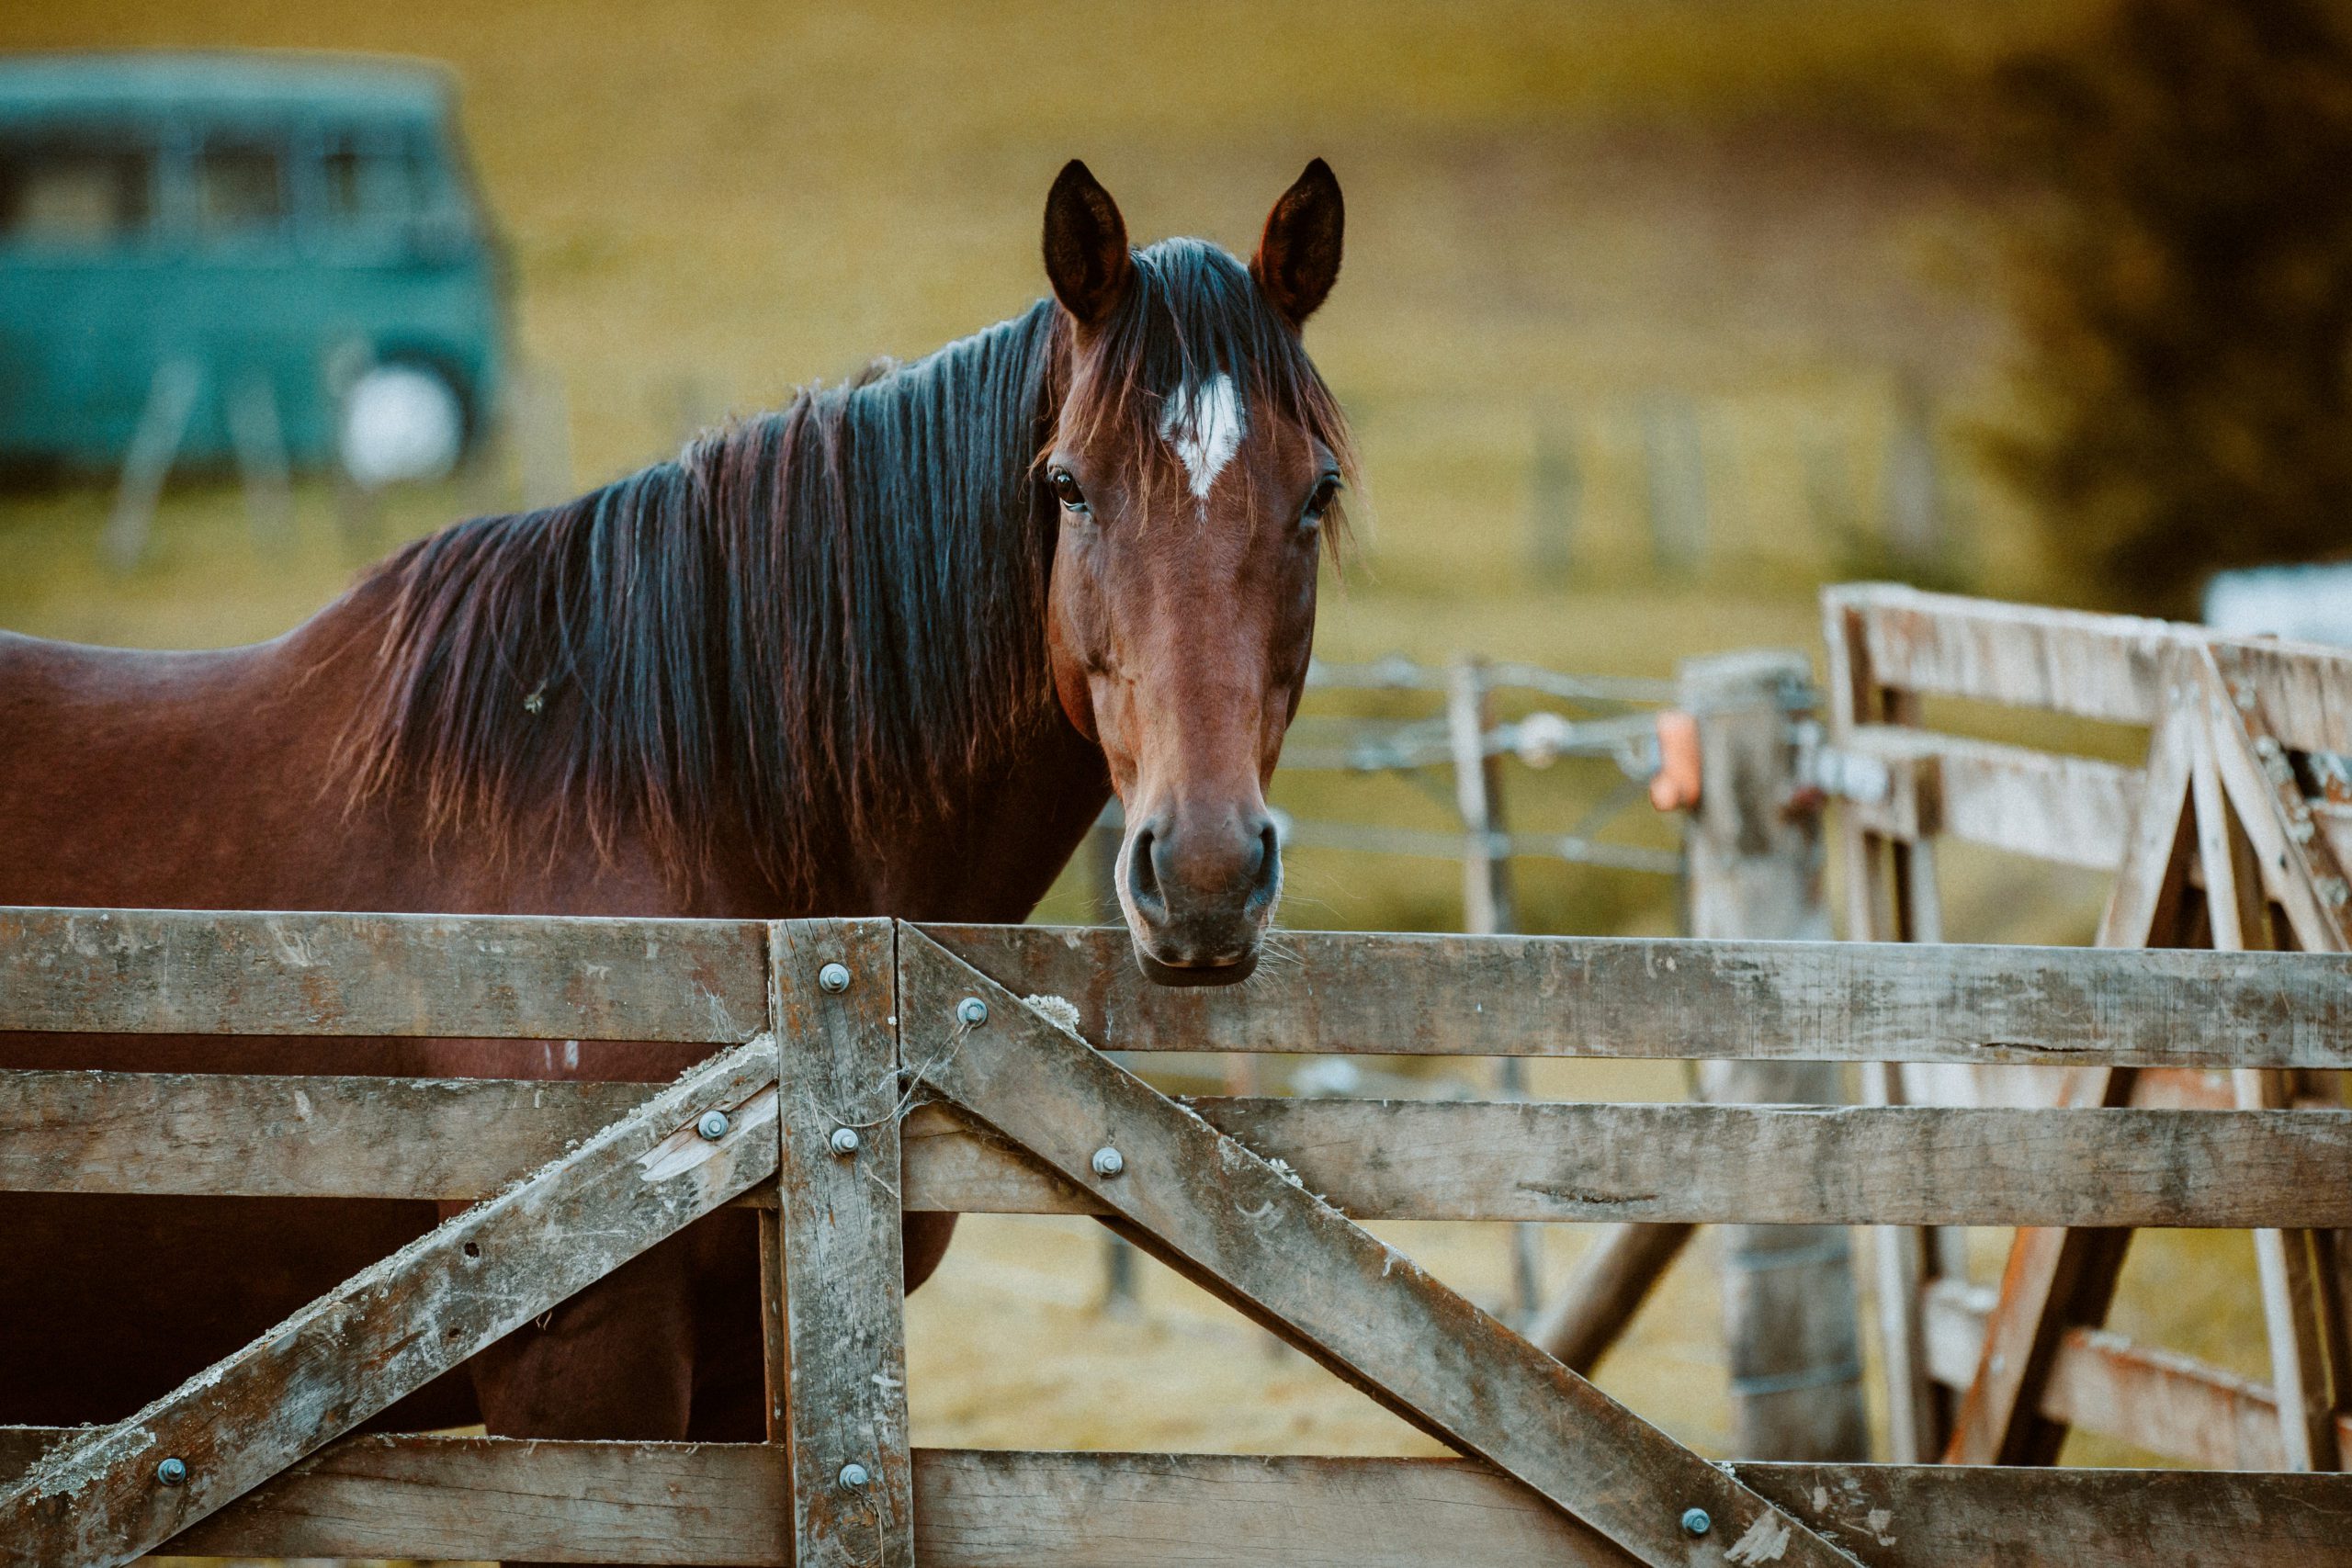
(1655, 318)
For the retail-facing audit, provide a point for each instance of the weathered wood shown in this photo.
(391, 1329)
(844, 1297)
(1683, 999)
(2065, 809)
(2298, 863)
(1606, 1287)
(1916, 1407)
(1353, 1301)
(487, 976)
(2105, 667)
(2285, 1265)
(1724, 1164)
(223, 1136)
(1755, 855)
(2159, 1400)
(722, 1503)
(460, 1139)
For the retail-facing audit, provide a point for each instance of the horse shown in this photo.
(885, 652)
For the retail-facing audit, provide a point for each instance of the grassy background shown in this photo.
(1742, 235)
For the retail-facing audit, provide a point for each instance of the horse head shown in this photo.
(1196, 461)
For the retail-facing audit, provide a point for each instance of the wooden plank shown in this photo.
(462, 1139)
(1684, 1000)
(1353, 1301)
(2055, 1280)
(721, 1504)
(1610, 1280)
(845, 1286)
(2159, 1400)
(2068, 810)
(391, 1329)
(2105, 667)
(486, 977)
(1724, 1164)
(2299, 866)
(2240, 914)
(222, 1135)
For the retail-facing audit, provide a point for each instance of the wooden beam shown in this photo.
(2057, 1279)
(2068, 810)
(1353, 1302)
(2105, 667)
(1725, 1164)
(2157, 1400)
(845, 1292)
(1610, 1280)
(1683, 999)
(99, 1499)
(198, 1134)
(1885, 898)
(486, 977)
(452, 1498)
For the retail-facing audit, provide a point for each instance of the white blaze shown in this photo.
(1203, 424)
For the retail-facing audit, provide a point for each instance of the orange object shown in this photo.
(1675, 785)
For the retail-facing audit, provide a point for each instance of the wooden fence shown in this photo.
(964, 1097)
(2234, 835)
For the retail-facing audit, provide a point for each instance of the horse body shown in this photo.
(865, 657)
(107, 751)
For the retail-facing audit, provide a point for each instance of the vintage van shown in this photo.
(232, 250)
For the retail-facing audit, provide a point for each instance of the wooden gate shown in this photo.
(2233, 834)
(867, 1068)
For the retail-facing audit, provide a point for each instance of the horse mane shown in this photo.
(805, 631)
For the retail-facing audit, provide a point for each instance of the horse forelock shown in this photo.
(1191, 363)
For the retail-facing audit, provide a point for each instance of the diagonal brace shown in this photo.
(1204, 1201)
(105, 1498)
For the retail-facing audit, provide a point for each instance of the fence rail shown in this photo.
(1009, 1113)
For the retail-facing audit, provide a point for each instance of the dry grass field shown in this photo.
(1597, 253)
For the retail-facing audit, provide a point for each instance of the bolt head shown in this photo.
(833, 977)
(713, 1125)
(172, 1472)
(1696, 1522)
(845, 1141)
(973, 1011)
(1108, 1162)
(854, 1477)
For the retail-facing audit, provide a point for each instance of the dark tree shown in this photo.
(2186, 292)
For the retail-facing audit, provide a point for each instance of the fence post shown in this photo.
(1755, 871)
(1487, 900)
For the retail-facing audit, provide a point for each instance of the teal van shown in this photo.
(220, 250)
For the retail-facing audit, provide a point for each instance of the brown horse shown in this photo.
(885, 652)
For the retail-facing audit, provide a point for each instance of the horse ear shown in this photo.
(1298, 257)
(1086, 245)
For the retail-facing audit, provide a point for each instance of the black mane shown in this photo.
(819, 621)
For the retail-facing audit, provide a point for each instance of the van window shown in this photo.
(75, 194)
(240, 190)
(372, 180)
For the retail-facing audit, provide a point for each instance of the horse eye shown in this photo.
(1320, 502)
(1066, 490)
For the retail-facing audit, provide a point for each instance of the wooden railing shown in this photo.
(271, 1479)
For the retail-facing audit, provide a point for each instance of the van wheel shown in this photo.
(401, 422)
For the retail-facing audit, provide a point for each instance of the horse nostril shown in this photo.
(1143, 876)
(1268, 872)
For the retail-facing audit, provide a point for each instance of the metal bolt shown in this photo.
(852, 1476)
(172, 1472)
(833, 977)
(713, 1125)
(973, 1011)
(845, 1141)
(1696, 1522)
(1109, 1162)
